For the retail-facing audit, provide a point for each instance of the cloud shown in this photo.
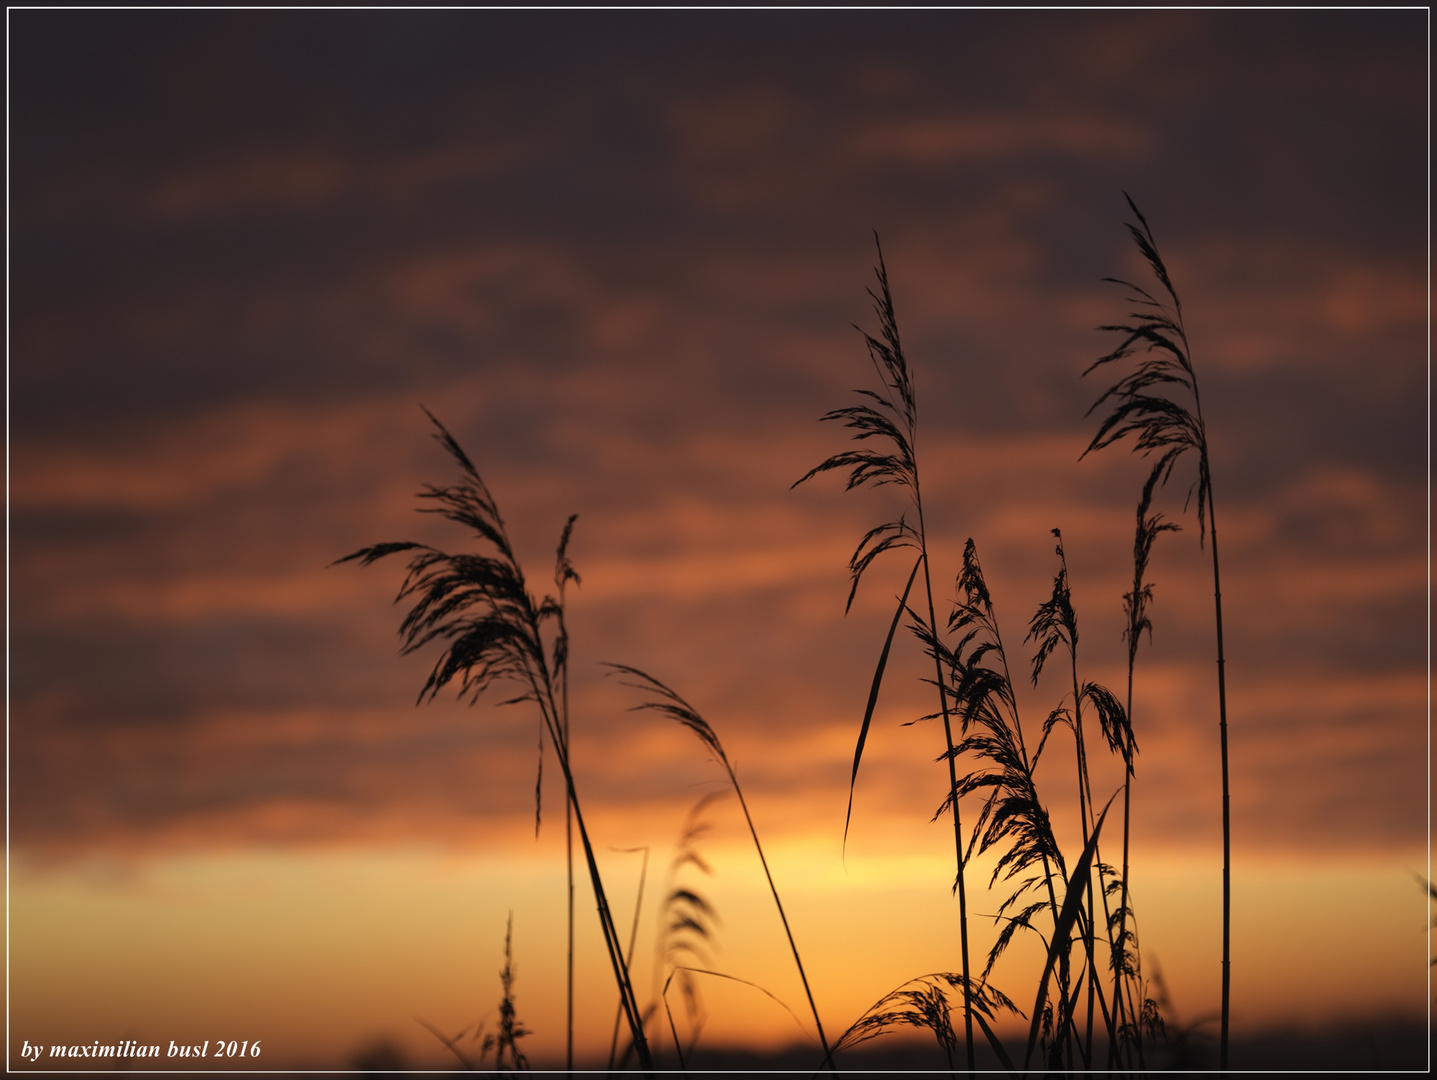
(994, 139)
(632, 301)
(263, 180)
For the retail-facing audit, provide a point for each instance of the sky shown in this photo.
(621, 256)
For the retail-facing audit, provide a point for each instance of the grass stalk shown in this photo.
(1144, 407)
(1135, 611)
(629, 953)
(922, 1002)
(687, 922)
(493, 630)
(960, 881)
(510, 1029)
(667, 702)
(562, 636)
(1055, 624)
(893, 418)
(993, 737)
(1067, 918)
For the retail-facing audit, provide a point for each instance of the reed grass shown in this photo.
(477, 606)
(506, 1039)
(503, 1041)
(1012, 814)
(1157, 403)
(633, 941)
(1013, 818)
(922, 1002)
(892, 419)
(1054, 626)
(1127, 957)
(667, 702)
(687, 926)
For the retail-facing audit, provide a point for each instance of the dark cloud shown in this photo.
(619, 253)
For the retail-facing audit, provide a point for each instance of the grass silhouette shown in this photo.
(1012, 813)
(687, 921)
(1055, 625)
(667, 702)
(1128, 992)
(504, 1041)
(893, 420)
(493, 630)
(922, 1002)
(687, 926)
(975, 687)
(1150, 403)
(490, 629)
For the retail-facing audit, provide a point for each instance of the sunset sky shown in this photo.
(620, 256)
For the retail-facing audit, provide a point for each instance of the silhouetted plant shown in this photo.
(687, 926)
(922, 1002)
(687, 920)
(1055, 625)
(1012, 813)
(893, 420)
(511, 1030)
(492, 630)
(1132, 1003)
(1151, 404)
(1012, 816)
(506, 1039)
(667, 702)
(629, 953)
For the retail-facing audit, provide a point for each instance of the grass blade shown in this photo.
(447, 1041)
(994, 1042)
(670, 704)
(1072, 905)
(478, 606)
(873, 693)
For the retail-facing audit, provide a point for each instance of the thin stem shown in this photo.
(1226, 813)
(952, 781)
(569, 868)
(606, 922)
(1080, 753)
(633, 939)
(957, 820)
(1027, 766)
(1161, 423)
(1120, 975)
(1206, 475)
(544, 692)
(1064, 974)
(822, 1038)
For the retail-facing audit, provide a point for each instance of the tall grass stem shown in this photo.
(1143, 406)
(668, 702)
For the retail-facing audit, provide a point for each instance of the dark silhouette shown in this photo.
(510, 1029)
(1144, 408)
(667, 702)
(1131, 1000)
(1056, 624)
(922, 1002)
(493, 630)
(893, 419)
(506, 1040)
